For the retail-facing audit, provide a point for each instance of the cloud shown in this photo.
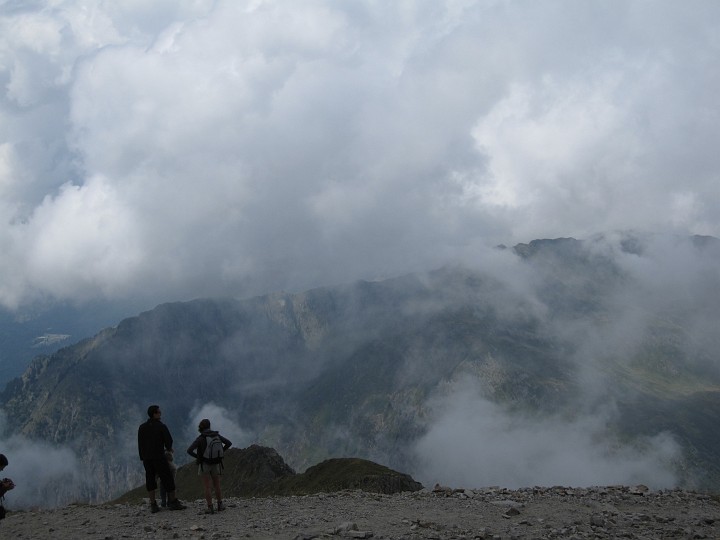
(45, 475)
(182, 149)
(654, 310)
(472, 442)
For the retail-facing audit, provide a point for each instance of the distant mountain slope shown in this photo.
(43, 330)
(559, 329)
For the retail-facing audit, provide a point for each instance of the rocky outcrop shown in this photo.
(259, 471)
(338, 474)
(249, 471)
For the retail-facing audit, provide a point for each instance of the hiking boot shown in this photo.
(221, 506)
(209, 510)
(176, 505)
(154, 508)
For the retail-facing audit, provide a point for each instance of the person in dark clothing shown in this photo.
(209, 471)
(5, 484)
(153, 440)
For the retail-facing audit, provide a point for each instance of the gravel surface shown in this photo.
(489, 513)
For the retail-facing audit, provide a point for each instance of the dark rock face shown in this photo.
(347, 473)
(249, 471)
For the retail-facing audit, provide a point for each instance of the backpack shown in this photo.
(213, 452)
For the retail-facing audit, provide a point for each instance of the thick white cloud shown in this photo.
(44, 475)
(176, 149)
(473, 442)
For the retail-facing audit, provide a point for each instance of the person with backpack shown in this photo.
(208, 450)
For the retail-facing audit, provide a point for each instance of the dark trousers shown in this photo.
(160, 468)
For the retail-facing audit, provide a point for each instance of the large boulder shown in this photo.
(346, 473)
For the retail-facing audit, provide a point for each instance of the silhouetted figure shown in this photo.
(5, 484)
(154, 440)
(208, 450)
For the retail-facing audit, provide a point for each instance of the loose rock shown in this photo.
(631, 512)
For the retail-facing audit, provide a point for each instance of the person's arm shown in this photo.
(140, 442)
(167, 439)
(226, 443)
(192, 447)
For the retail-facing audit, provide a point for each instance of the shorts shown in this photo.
(158, 468)
(205, 469)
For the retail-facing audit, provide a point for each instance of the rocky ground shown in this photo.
(442, 513)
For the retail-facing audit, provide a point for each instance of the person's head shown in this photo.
(204, 424)
(154, 411)
(3, 461)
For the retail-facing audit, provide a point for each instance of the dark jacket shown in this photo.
(197, 448)
(153, 439)
(3, 491)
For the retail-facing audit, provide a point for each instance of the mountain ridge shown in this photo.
(358, 369)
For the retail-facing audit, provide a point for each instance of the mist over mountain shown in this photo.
(575, 362)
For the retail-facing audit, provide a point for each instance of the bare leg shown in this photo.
(216, 483)
(208, 493)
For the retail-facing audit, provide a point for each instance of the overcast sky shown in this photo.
(181, 148)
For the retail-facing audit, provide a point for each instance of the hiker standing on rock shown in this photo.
(153, 440)
(208, 450)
